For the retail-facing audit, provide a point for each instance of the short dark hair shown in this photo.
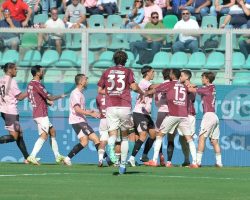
(78, 78)
(176, 73)
(188, 73)
(53, 8)
(209, 75)
(166, 74)
(120, 57)
(145, 69)
(154, 13)
(35, 69)
(8, 66)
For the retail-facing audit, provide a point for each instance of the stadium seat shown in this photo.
(105, 60)
(209, 22)
(247, 64)
(9, 56)
(114, 21)
(215, 60)
(196, 61)
(178, 60)
(31, 57)
(169, 21)
(238, 60)
(220, 78)
(134, 37)
(241, 78)
(126, 6)
(29, 40)
(67, 59)
(40, 18)
(98, 40)
(49, 58)
(73, 40)
(118, 41)
(96, 21)
(161, 60)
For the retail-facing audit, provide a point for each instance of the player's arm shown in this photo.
(21, 96)
(101, 90)
(53, 98)
(81, 111)
(134, 86)
(153, 86)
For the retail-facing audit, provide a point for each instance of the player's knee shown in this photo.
(213, 141)
(17, 127)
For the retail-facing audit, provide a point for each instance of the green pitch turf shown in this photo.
(48, 181)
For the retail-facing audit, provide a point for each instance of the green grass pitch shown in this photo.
(81, 181)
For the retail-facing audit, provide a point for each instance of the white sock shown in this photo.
(218, 159)
(54, 147)
(38, 145)
(111, 140)
(199, 157)
(192, 150)
(100, 154)
(157, 147)
(124, 150)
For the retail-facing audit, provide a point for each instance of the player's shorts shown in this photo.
(170, 123)
(119, 117)
(11, 122)
(160, 117)
(82, 129)
(210, 126)
(103, 130)
(142, 122)
(43, 124)
(192, 121)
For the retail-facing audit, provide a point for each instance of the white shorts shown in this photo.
(192, 121)
(170, 123)
(103, 130)
(119, 117)
(43, 124)
(210, 126)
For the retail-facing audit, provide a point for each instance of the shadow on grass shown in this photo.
(128, 173)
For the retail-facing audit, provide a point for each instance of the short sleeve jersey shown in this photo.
(8, 92)
(176, 97)
(76, 99)
(191, 100)
(208, 97)
(116, 81)
(161, 101)
(38, 95)
(101, 105)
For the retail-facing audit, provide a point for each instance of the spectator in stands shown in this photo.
(149, 8)
(91, 7)
(108, 6)
(10, 40)
(244, 45)
(151, 41)
(53, 39)
(176, 6)
(199, 8)
(19, 10)
(135, 17)
(163, 5)
(185, 41)
(221, 9)
(75, 15)
(35, 6)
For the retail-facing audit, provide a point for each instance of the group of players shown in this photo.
(174, 98)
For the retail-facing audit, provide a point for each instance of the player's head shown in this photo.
(81, 80)
(120, 58)
(185, 75)
(166, 74)
(175, 74)
(147, 72)
(10, 69)
(207, 77)
(37, 71)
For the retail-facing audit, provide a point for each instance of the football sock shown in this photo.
(170, 150)
(130, 146)
(111, 140)
(137, 147)
(21, 145)
(6, 139)
(148, 145)
(192, 151)
(124, 150)
(160, 150)
(97, 146)
(105, 154)
(54, 147)
(38, 145)
(199, 157)
(76, 149)
(218, 159)
(185, 148)
(157, 147)
(100, 154)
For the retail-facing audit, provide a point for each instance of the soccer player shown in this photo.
(116, 83)
(9, 96)
(77, 118)
(143, 122)
(40, 98)
(177, 104)
(210, 122)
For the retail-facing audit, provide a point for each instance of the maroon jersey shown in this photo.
(191, 100)
(176, 97)
(101, 105)
(116, 81)
(208, 97)
(37, 95)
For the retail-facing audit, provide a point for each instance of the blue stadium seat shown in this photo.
(114, 21)
(196, 61)
(31, 57)
(178, 60)
(118, 41)
(130, 60)
(67, 59)
(96, 21)
(40, 18)
(49, 58)
(215, 60)
(98, 40)
(9, 56)
(238, 60)
(105, 60)
(161, 60)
